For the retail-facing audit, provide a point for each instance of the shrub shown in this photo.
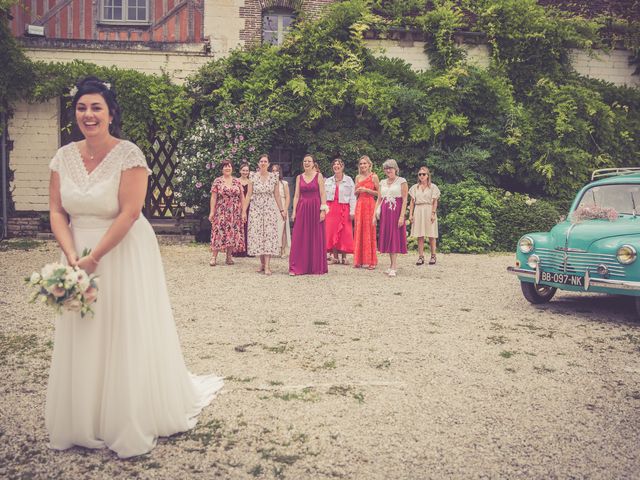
(467, 224)
(235, 135)
(518, 214)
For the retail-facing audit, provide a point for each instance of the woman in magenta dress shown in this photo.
(307, 254)
(226, 215)
(341, 200)
(392, 205)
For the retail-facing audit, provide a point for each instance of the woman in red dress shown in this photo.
(341, 199)
(367, 188)
(226, 215)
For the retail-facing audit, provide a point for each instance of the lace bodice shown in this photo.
(94, 194)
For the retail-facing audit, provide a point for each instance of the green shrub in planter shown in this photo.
(518, 214)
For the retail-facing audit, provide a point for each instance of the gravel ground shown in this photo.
(443, 372)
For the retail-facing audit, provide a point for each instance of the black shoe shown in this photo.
(432, 260)
(420, 261)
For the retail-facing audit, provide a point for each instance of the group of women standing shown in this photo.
(336, 215)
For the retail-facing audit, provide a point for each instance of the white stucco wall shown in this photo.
(35, 131)
(222, 24)
(178, 64)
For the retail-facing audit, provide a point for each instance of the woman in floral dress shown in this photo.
(226, 215)
(264, 195)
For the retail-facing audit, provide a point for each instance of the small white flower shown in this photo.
(108, 85)
(35, 278)
(73, 91)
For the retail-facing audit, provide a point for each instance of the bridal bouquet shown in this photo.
(64, 288)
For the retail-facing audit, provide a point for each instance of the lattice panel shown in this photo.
(160, 201)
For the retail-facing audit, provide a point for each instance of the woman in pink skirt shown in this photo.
(341, 200)
(391, 207)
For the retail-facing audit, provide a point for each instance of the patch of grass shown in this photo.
(17, 344)
(243, 348)
(281, 347)
(208, 433)
(256, 471)
(152, 465)
(320, 322)
(328, 365)
(275, 382)
(465, 309)
(508, 353)
(359, 396)
(543, 369)
(384, 364)
(306, 395)
(233, 378)
(496, 326)
(497, 339)
(529, 326)
(24, 244)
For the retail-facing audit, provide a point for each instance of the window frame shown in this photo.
(125, 13)
(281, 32)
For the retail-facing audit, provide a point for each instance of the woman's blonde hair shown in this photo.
(368, 160)
(390, 162)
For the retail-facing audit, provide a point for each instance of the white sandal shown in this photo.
(392, 273)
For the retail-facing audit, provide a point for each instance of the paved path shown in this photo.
(442, 372)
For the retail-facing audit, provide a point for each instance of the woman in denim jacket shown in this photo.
(341, 199)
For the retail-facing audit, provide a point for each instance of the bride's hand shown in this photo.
(72, 259)
(87, 264)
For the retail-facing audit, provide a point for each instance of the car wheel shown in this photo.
(538, 293)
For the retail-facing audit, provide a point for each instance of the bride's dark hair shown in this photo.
(94, 85)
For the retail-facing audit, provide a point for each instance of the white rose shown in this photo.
(35, 278)
(73, 304)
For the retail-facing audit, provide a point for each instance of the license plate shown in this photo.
(562, 278)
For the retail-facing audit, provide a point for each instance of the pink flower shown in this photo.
(198, 185)
(57, 291)
(252, 148)
(208, 166)
(90, 295)
(241, 138)
(234, 150)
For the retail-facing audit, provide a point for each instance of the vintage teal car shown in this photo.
(594, 250)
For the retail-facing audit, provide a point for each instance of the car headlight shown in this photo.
(526, 244)
(626, 254)
(533, 261)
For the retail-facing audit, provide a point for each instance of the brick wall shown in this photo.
(24, 226)
(252, 10)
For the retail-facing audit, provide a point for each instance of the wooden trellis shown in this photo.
(160, 201)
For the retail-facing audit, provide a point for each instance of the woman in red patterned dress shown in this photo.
(226, 215)
(367, 188)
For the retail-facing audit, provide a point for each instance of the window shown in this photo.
(136, 11)
(275, 24)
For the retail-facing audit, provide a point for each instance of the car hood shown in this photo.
(583, 234)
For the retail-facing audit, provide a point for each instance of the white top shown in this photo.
(426, 196)
(387, 192)
(346, 193)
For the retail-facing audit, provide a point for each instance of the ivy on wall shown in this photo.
(150, 104)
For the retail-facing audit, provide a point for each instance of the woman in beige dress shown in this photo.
(284, 228)
(422, 213)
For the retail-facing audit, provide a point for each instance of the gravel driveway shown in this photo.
(442, 372)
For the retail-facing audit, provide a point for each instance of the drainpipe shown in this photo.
(4, 166)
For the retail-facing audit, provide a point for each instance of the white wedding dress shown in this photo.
(118, 378)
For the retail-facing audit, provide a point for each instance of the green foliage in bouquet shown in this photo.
(237, 135)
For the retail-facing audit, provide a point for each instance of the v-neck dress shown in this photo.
(308, 246)
(118, 378)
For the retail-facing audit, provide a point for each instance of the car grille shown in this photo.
(577, 262)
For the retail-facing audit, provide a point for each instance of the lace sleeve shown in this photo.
(135, 158)
(54, 164)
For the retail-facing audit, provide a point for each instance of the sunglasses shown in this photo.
(423, 175)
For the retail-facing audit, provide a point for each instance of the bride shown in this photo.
(118, 378)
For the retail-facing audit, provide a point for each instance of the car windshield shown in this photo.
(624, 199)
